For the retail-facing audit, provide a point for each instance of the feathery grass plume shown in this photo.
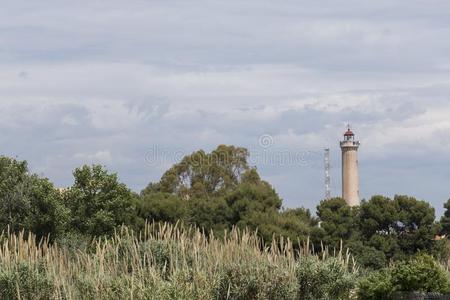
(170, 262)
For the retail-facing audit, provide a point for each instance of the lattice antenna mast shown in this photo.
(327, 174)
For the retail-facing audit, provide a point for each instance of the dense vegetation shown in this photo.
(390, 240)
(166, 262)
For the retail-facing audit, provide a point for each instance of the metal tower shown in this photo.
(327, 174)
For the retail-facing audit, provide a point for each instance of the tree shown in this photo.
(337, 220)
(295, 224)
(377, 221)
(28, 202)
(368, 256)
(415, 227)
(377, 216)
(252, 195)
(13, 177)
(162, 207)
(47, 215)
(217, 189)
(98, 202)
(399, 228)
(445, 220)
(210, 214)
(204, 175)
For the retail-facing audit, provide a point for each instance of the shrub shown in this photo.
(25, 282)
(422, 274)
(257, 280)
(327, 279)
(376, 286)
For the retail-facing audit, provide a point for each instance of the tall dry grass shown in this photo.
(169, 262)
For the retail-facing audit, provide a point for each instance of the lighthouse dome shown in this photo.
(349, 133)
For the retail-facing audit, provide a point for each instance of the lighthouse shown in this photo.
(350, 177)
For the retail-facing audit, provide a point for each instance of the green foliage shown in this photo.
(441, 250)
(388, 244)
(216, 191)
(381, 229)
(213, 214)
(25, 282)
(73, 242)
(98, 202)
(29, 202)
(162, 207)
(420, 274)
(338, 221)
(417, 219)
(164, 262)
(294, 224)
(328, 279)
(367, 256)
(252, 195)
(251, 281)
(47, 215)
(377, 216)
(376, 286)
(445, 220)
(204, 174)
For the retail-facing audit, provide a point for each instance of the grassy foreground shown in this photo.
(167, 262)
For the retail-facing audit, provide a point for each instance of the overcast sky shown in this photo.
(114, 82)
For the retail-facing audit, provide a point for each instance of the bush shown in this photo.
(376, 286)
(252, 281)
(25, 282)
(422, 274)
(327, 279)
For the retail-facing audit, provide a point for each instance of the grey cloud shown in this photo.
(90, 81)
(351, 36)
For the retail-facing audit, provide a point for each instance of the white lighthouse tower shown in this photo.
(350, 176)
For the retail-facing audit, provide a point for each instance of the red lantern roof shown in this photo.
(349, 133)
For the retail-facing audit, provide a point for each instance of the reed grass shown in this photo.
(168, 262)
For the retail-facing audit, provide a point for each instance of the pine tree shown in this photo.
(445, 220)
